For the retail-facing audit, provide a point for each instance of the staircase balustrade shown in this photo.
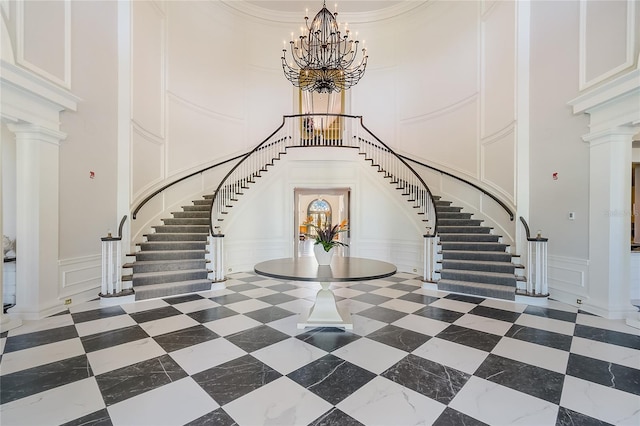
(112, 284)
(537, 284)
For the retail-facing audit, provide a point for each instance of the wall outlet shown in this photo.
(579, 301)
(67, 301)
(572, 215)
(415, 270)
(230, 270)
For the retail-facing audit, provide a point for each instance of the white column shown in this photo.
(37, 150)
(610, 222)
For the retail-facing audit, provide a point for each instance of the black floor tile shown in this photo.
(367, 288)
(106, 312)
(382, 314)
(110, 338)
(335, 417)
(568, 417)
(184, 338)
(327, 339)
(439, 314)
(372, 299)
(497, 314)
(404, 287)
(154, 314)
(212, 314)
(39, 379)
(97, 418)
(607, 336)
(217, 417)
(468, 337)
(551, 313)
(236, 378)
(183, 299)
(257, 338)
(419, 298)
(331, 378)
(283, 287)
(277, 299)
(399, 338)
(270, 314)
(527, 378)
(540, 337)
(228, 299)
(132, 380)
(44, 337)
(243, 287)
(607, 374)
(436, 381)
(465, 298)
(451, 417)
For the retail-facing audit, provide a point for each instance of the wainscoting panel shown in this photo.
(498, 159)
(147, 159)
(568, 278)
(79, 275)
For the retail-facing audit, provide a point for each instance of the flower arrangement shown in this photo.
(327, 235)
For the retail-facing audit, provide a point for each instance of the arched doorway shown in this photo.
(319, 214)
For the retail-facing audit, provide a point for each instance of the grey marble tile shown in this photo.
(277, 299)
(184, 338)
(607, 336)
(107, 339)
(97, 418)
(95, 314)
(327, 338)
(382, 314)
(465, 298)
(257, 338)
(270, 314)
(212, 314)
(605, 373)
(363, 287)
(217, 417)
(551, 313)
(283, 287)
(155, 314)
(439, 314)
(436, 381)
(39, 379)
(127, 382)
(235, 378)
(498, 314)
(400, 338)
(331, 378)
(228, 299)
(183, 299)
(30, 340)
(419, 298)
(468, 337)
(251, 278)
(335, 417)
(540, 337)
(404, 287)
(532, 380)
(451, 417)
(568, 417)
(373, 299)
(243, 287)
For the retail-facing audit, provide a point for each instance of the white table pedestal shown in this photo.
(325, 312)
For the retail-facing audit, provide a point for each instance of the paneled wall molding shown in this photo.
(488, 10)
(79, 274)
(493, 139)
(146, 134)
(583, 49)
(569, 274)
(421, 118)
(63, 80)
(202, 110)
(499, 134)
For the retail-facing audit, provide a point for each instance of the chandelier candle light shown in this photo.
(324, 57)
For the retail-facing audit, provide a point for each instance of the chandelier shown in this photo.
(324, 59)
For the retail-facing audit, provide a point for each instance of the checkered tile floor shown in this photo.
(235, 356)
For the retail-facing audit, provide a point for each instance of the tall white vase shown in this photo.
(323, 257)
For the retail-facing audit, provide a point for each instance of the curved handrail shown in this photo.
(158, 191)
(484, 191)
(526, 227)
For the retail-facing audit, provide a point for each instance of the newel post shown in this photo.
(537, 284)
(429, 258)
(216, 253)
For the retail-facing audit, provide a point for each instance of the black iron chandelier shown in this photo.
(324, 59)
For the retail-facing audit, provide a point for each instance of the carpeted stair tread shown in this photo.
(447, 229)
(186, 221)
(493, 256)
(497, 278)
(159, 277)
(172, 245)
(473, 246)
(182, 229)
(470, 237)
(170, 255)
(478, 289)
(176, 236)
(475, 265)
(166, 265)
(171, 289)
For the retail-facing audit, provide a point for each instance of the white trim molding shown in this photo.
(78, 275)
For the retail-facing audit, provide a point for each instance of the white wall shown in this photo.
(8, 183)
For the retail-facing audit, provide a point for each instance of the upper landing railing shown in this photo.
(326, 130)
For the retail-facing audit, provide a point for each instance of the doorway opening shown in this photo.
(321, 206)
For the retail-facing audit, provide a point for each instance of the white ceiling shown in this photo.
(314, 6)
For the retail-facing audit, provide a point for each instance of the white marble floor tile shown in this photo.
(303, 293)
(258, 292)
(488, 325)
(86, 306)
(176, 403)
(531, 353)
(167, 325)
(460, 357)
(196, 358)
(383, 402)
(353, 306)
(248, 305)
(423, 325)
(104, 324)
(297, 306)
(428, 289)
(547, 324)
(369, 354)
(347, 292)
(195, 305)
(54, 406)
(230, 325)
(288, 355)
(607, 324)
(554, 304)
(266, 282)
(40, 355)
(143, 305)
(600, 402)
(122, 355)
(3, 340)
(389, 292)
(363, 325)
(216, 293)
(288, 325)
(505, 305)
(453, 305)
(41, 325)
(281, 402)
(494, 404)
(239, 275)
(605, 352)
(402, 305)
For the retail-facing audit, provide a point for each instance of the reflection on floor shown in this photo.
(235, 357)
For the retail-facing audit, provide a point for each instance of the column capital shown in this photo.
(37, 132)
(613, 134)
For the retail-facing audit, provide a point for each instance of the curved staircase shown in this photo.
(474, 261)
